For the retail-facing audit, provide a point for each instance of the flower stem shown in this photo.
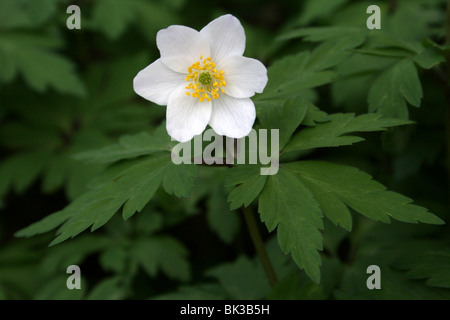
(259, 246)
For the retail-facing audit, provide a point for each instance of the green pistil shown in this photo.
(205, 78)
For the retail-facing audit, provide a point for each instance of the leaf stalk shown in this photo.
(259, 246)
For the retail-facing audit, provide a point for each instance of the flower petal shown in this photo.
(181, 46)
(186, 116)
(226, 36)
(156, 82)
(244, 76)
(232, 117)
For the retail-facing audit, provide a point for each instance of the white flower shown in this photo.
(203, 79)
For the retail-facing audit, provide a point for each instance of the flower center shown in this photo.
(205, 82)
(205, 78)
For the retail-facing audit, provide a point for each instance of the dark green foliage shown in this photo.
(86, 163)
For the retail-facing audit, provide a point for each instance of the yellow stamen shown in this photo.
(205, 81)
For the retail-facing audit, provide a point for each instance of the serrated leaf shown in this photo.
(21, 170)
(334, 133)
(286, 204)
(285, 117)
(113, 17)
(249, 182)
(333, 52)
(430, 57)
(142, 192)
(241, 279)
(394, 87)
(50, 222)
(52, 70)
(432, 264)
(162, 253)
(179, 179)
(358, 191)
(129, 146)
(314, 115)
(290, 75)
(333, 207)
(133, 187)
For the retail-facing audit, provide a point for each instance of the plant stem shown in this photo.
(259, 246)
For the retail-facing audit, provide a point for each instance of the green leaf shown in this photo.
(113, 17)
(114, 259)
(141, 191)
(50, 222)
(129, 146)
(315, 9)
(71, 253)
(21, 170)
(179, 179)
(133, 187)
(108, 289)
(298, 286)
(249, 182)
(432, 264)
(25, 13)
(290, 75)
(285, 117)
(52, 70)
(220, 219)
(55, 173)
(394, 87)
(162, 253)
(56, 289)
(394, 285)
(333, 208)
(334, 52)
(430, 57)
(109, 83)
(334, 133)
(357, 190)
(149, 222)
(314, 115)
(320, 34)
(242, 279)
(245, 278)
(287, 204)
(386, 52)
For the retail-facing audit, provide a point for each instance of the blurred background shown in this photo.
(65, 91)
